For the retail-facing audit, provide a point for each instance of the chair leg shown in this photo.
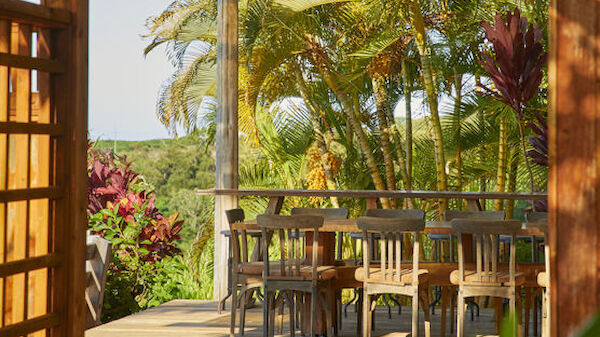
(298, 310)
(243, 297)
(272, 308)
(513, 310)
(290, 299)
(328, 312)
(446, 292)
(415, 313)
(453, 297)
(280, 305)
(266, 310)
(460, 315)
(366, 312)
(425, 306)
(313, 311)
(234, 300)
(545, 331)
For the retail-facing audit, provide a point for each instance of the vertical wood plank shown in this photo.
(70, 222)
(39, 177)
(227, 132)
(4, 95)
(18, 162)
(574, 179)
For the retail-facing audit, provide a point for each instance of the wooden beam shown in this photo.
(29, 13)
(28, 62)
(31, 325)
(30, 194)
(31, 128)
(227, 132)
(29, 264)
(374, 194)
(574, 178)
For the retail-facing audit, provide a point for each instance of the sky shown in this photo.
(123, 84)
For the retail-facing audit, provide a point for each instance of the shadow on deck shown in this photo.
(183, 318)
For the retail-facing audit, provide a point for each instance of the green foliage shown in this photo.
(146, 268)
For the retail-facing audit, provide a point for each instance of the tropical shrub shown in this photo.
(121, 209)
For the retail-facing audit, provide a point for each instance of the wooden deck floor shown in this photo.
(186, 318)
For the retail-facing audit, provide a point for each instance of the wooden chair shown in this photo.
(540, 220)
(486, 280)
(99, 252)
(390, 277)
(330, 214)
(448, 292)
(246, 275)
(291, 276)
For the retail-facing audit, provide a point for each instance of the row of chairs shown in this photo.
(290, 279)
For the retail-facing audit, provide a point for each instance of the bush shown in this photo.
(146, 268)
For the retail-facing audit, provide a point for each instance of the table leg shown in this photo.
(326, 257)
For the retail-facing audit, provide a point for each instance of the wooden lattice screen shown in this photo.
(43, 122)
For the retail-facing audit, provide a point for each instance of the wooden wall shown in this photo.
(43, 181)
(574, 188)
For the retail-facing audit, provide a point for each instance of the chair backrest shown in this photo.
(490, 215)
(486, 235)
(539, 220)
(326, 213)
(288, 228)
(239, 238)
(99, 252)
(391, 225)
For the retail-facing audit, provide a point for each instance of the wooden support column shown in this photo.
(227, 133)
(574, 181)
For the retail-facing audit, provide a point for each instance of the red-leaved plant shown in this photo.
(515, 67)
(112, 187)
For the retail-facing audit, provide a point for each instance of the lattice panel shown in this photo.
(30, 134)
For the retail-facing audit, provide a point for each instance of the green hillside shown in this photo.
(174, 169)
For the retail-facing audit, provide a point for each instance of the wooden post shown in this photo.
(574, 179)
(227, 132)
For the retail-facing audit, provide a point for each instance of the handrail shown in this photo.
(376, 194)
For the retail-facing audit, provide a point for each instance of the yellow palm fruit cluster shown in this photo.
(316, 178)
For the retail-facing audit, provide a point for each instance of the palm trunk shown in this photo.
(408, 121)
(355, 125)
(400, 155)
(512, 185)
(481, 118)
(457, 103)
(381, 101)
(436, 127)
(502, 161)
(319, 137)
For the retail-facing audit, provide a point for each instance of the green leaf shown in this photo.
(302, 5)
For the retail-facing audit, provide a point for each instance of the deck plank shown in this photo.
(198, 318)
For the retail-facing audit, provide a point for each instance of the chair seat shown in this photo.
(472, 278)
(406, 276)
(345, 262)
(323, 273)
(542, 279)
(256, 268)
